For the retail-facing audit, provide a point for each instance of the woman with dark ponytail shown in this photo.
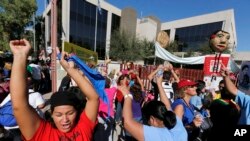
(160, 123)
(158, 110)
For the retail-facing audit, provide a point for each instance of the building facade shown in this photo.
(83, 23)
(193, 32)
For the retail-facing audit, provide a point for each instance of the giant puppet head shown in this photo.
(163, 38)
(219, 41)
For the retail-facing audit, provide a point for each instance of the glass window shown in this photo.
(82, 26)
(115, 24)
(191, 36)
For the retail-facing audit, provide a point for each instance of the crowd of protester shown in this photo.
(175, 109)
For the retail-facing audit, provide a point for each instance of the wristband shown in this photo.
(128, 95)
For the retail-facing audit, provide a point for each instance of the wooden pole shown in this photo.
(54, 44)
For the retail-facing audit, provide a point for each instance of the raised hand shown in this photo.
(65, 64)
(124, 89)
(20, 47)
(160, 67)
(170, 67)
(159, 79)
(197, 121)
(224, 71)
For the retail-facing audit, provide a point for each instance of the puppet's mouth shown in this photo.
(221, 46)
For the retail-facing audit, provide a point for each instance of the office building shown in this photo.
(77, 24)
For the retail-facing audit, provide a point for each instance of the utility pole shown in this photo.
(54, 44)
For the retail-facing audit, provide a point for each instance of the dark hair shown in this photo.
(1, 70)
(245, 66)
(221, 82)
(215, 32)
(207, 100)
(122, 77)
(200, 85)
(166, 75)
(158, 110)
(136, 91)
(107, 82)
(225, 94)
(69, 97)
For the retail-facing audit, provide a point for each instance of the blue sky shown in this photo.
(168, 10)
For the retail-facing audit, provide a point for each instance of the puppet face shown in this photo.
(219, 41)
(163, 38)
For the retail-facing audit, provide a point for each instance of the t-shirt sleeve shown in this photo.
(40, 134)
(242, 99)
(86, 124)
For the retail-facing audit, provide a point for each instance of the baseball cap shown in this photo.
(186, 82)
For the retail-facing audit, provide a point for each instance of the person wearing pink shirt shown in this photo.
(106, 113)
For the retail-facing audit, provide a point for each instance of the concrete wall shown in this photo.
(150, 26)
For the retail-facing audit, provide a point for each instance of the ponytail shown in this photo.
(159, 110)
(169, 119)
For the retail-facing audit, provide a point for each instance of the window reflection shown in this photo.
(190, 37)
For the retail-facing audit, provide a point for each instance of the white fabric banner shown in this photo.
(165, 55)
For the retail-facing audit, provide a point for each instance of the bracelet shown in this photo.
(128, 95)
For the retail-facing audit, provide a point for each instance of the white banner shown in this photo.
(165, 55)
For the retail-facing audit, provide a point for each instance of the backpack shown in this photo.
(6, 115)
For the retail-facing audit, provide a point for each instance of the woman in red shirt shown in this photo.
(69, 123)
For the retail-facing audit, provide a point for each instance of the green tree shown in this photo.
(148, 48)
(172, 47)
(125, 47)
(40, 34)
(204, 48)
(14, 16)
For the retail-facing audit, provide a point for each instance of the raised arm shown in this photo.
(86, 87)
(27, 119)
(163, 97)
(228, 83)
(140, 82)
(133, 127)
(153, 73)
(177, 79)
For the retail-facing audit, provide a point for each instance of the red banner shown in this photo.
(210, 66)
